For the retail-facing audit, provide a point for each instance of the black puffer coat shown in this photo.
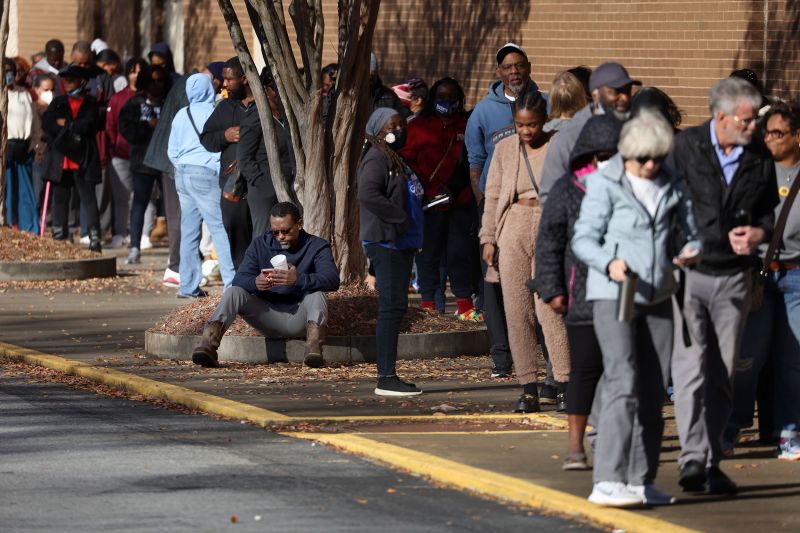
(558, 271)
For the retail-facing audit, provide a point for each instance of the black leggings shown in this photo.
(586, 367)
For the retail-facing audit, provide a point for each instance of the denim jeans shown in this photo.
(392, 273)
(199, 194)
(773, 329)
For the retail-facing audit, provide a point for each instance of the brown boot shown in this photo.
(159, 230)
(206, 353)
(315, 336)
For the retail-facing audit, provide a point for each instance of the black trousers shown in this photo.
(448, 236)
(238, 226)
(494, 315)
(586, 367)
(61, 198)
(260, 200)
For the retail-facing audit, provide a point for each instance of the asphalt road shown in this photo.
(74, 461)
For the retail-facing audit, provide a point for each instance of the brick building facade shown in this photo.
(682, 46)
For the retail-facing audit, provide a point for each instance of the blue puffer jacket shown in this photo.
(613, 224)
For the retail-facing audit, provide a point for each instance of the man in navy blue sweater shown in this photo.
(278, 289)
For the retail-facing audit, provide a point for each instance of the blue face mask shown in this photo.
(75, 92)
(9, 79)
(444, 107)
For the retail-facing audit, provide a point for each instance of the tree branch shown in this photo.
(279, 181)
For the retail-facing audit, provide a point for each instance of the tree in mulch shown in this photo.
(352, 310)
(22, 246)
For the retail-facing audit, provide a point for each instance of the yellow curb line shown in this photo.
(217, 405)
(474, 433)
(147, 387)
(488, 483)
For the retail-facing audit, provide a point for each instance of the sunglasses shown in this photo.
(644, 160)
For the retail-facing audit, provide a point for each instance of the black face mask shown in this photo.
(396, 139)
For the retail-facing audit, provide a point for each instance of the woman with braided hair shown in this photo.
(390, 197)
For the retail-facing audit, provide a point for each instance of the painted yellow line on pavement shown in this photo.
(147, 387)
(477, 432)
(217, 405)
(492, 484)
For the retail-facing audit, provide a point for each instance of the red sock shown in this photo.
(427, 304)
(464, 305)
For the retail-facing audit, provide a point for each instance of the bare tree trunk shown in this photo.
(326, 152)
(6, 9)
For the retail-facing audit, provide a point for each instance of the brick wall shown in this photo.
(681, 46)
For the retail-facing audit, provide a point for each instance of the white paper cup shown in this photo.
(279, 262)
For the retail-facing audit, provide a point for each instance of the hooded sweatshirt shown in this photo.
(184, 146)
(491, 120)
(165, 51)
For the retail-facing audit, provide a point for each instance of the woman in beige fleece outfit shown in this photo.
(508, 236)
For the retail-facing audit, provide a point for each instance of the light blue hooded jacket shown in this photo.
(491, 121)
(614, 224)
(184, 146)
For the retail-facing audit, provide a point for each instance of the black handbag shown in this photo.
(70, 143)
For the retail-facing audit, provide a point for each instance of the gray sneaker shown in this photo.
(134, 257)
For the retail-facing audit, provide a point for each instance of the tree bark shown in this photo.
(326, 152)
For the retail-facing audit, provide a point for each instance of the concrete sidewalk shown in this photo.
(477, 447)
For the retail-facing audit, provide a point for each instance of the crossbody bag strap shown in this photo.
(780, 225)
(528, 165)
(191, 119)
(441, 161)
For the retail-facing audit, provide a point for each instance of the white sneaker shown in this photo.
(145, 244)
(85, 240)
(650, 495)
(210, 269)
(789, 446)
(614, 494)
(117, 241)
(171, 278)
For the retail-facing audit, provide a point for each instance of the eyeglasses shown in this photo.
(744, 121)
(518, 66)
(778, 134)
(644, 160)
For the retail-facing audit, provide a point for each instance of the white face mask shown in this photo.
(603, 164)
(46, 97)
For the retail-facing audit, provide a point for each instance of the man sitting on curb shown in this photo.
(279, 302)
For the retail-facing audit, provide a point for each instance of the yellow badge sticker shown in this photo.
(783, 191)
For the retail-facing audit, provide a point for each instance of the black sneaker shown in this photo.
(527, 403)
(548, 394)
(561, 402)
(200, 294)
(394, 386)
(501, 373)
(719, 483)
(693, 477)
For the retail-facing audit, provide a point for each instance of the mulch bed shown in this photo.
(23, 246)
(352, 310)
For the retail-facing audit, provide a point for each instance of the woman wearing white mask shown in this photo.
(43, 90)
(23, 126)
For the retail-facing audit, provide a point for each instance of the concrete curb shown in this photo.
(351, 349)
(102, 267)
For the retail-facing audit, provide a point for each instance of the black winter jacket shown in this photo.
(558, 271)
(228, 114)
(86, 124)
(252, 152)
(717, 204)
(381, 197)
(134, 126)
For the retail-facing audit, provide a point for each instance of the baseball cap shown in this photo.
(507, 49)
(611, 75)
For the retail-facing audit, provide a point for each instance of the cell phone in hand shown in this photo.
(266, 272)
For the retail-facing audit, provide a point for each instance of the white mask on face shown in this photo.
(46, 97)
(603, 164)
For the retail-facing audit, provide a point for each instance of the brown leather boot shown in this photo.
(206, 352)
(315, 336)
(159, 229)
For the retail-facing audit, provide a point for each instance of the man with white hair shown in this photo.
(731, 180)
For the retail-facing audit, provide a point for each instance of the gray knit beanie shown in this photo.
(378, 118)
